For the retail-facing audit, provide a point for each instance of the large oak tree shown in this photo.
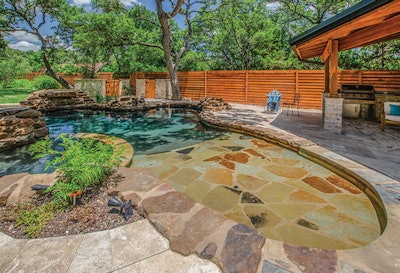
(32, 16)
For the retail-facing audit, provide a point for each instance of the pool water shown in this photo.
(153, 132)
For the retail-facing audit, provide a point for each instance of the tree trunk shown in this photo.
(176, 92)
(50, 71)
(166, 39)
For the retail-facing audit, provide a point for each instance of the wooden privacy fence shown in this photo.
(250, 87)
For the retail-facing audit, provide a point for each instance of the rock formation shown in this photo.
(58, 99)
(20, 126)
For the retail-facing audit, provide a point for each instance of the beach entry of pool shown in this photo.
(285, 196)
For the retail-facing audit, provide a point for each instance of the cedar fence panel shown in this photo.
(194, 84)
(250, 87)
(228, 85)
(311, 84)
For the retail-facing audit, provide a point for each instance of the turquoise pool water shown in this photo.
(150, 133)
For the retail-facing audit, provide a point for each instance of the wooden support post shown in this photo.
(326, 70)
(333, 66)
(325, 59)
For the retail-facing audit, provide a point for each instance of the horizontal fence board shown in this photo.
(251, 87)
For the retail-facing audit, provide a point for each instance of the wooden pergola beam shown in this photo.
(368, 22)
(381, 32)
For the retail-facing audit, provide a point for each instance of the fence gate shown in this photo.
(150, 89)
(112, 88)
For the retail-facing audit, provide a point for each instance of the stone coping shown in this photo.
(119, 142)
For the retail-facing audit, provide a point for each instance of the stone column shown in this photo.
(333, 114)
(163, 89)
(140, 88)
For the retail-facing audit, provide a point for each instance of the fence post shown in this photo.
(246, 87)
(205, 83)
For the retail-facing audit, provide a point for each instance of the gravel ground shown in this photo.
(91, 213)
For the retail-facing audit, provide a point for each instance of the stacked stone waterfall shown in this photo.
(58, 99)
(20, 126)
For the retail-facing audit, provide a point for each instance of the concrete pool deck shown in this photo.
(191, 228)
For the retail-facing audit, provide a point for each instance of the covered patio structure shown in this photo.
(369, 22)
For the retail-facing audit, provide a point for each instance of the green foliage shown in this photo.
(22, 84)
(35, 61)
(83, 163)
(224, 34)
(381, 56)
(13, 64)
(99, 98)
(45, 82)
(239, 35)
(35, 219)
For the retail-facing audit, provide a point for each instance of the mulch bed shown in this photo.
(90, 214)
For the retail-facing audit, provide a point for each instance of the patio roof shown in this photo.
(368, 22)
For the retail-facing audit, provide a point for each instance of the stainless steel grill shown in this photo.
(358, 92)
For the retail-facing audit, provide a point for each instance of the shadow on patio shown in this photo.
(361, 141)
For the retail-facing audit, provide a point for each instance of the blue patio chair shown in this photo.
(273, 101)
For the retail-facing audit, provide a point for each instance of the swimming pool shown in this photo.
(156, 131)
(251, 181)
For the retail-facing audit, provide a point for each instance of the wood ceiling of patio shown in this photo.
(377, 25)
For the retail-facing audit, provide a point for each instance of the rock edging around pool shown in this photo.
(16, 188)
(20, 126)
(382, 255)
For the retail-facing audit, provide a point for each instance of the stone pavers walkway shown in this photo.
(137, 247)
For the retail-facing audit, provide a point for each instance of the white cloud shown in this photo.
(80, 2)
(130, 3)
(24, 46)
(273, 6)
(127, 3)
(23, 36)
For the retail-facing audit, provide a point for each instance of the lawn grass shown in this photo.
(14, 95)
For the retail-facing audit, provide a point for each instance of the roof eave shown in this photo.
(337, 20)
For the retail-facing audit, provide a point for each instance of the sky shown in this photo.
(25, 42)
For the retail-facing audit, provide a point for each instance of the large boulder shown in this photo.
(20, 126)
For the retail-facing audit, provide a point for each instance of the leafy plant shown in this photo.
(81, 163)
(35, 219)
(45, 82)
(99, 98)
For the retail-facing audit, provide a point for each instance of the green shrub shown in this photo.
(83, 163)
(22, 84)
(45, 82)
(35, 219)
